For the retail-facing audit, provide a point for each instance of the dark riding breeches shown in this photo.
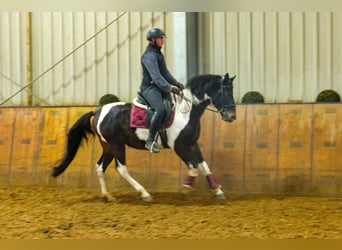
(155, 97)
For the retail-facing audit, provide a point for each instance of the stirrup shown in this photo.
(152, 146)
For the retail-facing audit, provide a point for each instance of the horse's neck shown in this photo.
(188, 96)
(190, 103)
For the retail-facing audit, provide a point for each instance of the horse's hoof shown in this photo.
(147, 198)
(108, 198)
(220, 196)
(187, 189)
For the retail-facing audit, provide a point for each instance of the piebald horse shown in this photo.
(111, 124)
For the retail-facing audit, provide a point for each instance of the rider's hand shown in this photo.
(180, 85)
(175, 90)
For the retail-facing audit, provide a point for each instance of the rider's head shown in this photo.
(156, 36)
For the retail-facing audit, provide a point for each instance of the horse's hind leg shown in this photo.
(122, 169)
(101, 166)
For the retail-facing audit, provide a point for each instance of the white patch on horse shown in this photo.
(197, 101)
(203, 166)
(185, 102)
(142, 133)
(181, 119)
(122, 169)
(206, 97)
(99, 172)
(104, 111)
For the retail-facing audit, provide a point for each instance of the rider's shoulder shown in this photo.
(150, 55)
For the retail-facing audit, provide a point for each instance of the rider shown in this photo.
(157, 83)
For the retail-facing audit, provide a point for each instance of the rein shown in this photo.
(198, 104)
(225, 106)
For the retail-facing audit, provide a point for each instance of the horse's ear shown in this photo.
(226, 77)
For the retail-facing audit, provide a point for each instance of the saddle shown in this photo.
(141, 113)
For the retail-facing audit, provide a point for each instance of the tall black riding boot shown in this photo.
(151, 144)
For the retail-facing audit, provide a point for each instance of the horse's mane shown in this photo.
(200, 84)
(200, 79)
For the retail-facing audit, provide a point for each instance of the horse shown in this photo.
(111, 124)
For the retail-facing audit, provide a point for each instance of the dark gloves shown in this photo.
(180, 85)
(175, 90)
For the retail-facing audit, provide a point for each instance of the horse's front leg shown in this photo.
(192, 174)
(191, 154)
(214, 186)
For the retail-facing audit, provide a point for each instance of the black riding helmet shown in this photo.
(154, 33)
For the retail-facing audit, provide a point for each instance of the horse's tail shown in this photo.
(76, 134)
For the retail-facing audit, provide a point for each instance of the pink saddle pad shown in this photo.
(138, 118)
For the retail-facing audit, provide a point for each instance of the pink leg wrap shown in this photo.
(212, 182)
(189, 180)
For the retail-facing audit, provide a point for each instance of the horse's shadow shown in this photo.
(160, 198)
(176, 198)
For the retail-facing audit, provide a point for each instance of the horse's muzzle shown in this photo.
(228, 115)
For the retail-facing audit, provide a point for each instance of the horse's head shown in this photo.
(223, 99)
(215, 90)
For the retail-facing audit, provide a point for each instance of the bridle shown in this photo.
(225, 103)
